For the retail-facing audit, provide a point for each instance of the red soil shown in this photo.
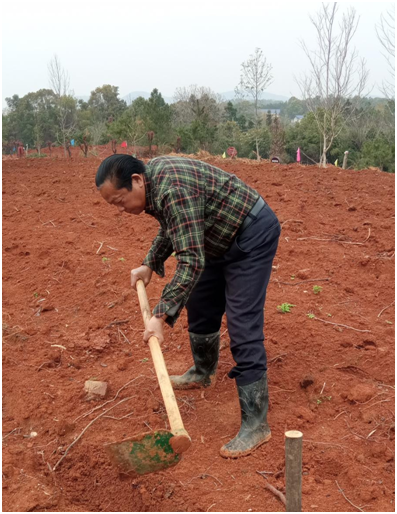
(66, 262)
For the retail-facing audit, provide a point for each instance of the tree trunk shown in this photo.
(258, 158)
(323, 159)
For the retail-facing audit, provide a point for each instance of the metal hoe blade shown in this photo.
(145, 453)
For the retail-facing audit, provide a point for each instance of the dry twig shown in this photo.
(122, 417)
(302, 281)
(12, 431)
(86, 428)
(101, 244)
(383, 310)
(339, 324)
(327, 444)
(85, 223)
(277, 357)
(336, 240)
(346, 498)
(277, 493)
(264, 473)
(286, 221)
(118, 322)
(376, 403)
(125, 337)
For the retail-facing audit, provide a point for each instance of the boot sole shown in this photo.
(192, 385)
(227, 454)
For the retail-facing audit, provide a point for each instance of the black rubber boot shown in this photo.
(254, 431)
(205, 350)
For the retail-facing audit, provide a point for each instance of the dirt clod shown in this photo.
(95, 388)
(307, 381)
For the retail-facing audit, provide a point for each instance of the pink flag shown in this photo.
(124, 144)
(298, 155)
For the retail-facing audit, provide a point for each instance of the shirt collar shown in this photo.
(147, 176)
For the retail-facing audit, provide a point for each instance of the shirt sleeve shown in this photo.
(184, 215)
(159, 252)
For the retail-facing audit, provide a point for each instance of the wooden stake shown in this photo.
(293, 470)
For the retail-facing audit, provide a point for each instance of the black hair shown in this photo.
(118, 168)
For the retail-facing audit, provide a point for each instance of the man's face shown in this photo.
(132, 202)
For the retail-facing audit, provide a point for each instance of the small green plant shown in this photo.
(329, 315)
(285, 307)
(145, 359)
(317, 289)
(292, 277)
(105, 259)
(121, 259)
(311, 315)
(36, 295)
(323, 399)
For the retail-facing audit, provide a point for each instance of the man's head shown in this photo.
(120, 181)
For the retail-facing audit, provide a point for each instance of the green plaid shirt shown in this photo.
(199, 208)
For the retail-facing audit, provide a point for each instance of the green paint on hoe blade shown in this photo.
(146, 453)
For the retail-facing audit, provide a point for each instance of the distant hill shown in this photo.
(136, 94)
(228, 95)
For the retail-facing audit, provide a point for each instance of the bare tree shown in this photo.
(255, 77)
(65, 103)
(337, 77)
(278, 138)
(386, 35)
(59, 78)
(193, 102)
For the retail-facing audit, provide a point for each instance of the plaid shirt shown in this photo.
(199, 208)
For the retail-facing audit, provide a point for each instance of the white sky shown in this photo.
(140, 45)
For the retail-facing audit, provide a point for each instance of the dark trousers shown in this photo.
(236, 284)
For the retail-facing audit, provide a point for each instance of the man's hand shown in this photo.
(154, 328)
(143, 272)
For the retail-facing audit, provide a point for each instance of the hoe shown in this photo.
(161, 449)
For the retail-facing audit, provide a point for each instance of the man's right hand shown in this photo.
(143, 272)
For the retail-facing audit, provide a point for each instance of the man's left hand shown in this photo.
(154, 328)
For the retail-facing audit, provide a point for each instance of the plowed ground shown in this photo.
(69, 315)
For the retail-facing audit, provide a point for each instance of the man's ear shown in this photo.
(137, 180)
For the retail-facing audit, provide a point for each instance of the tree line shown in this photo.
(199, 120)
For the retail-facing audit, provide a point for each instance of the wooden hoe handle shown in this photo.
(180, 441)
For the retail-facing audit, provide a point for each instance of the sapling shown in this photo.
(285, 307)
(323, 398)
(317, 289)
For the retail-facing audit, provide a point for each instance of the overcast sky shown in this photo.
(140, 45)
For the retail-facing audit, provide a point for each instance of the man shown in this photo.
(225, 237)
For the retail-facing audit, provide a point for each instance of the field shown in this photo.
(69, 315)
